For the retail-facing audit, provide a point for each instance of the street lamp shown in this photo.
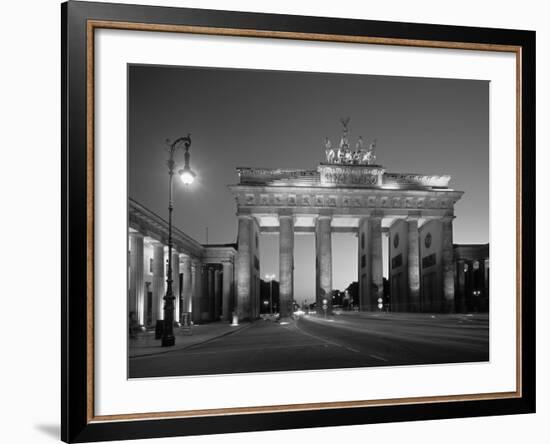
(187, 177)
(270, 278)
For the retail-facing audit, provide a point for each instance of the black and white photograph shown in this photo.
(291, 221)
(277, 222)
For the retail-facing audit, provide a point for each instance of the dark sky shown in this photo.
(280, 119)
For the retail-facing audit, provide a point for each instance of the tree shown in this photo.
(353, 291)
(336, 297)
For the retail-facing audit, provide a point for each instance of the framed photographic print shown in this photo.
(276, 221)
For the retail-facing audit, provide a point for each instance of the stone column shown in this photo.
(136, 304)
(286, 264)
(197, 279)
(363, 264)
(461, 283)
(244, 267)
(413, 260)
(208, 306)
(227, 290)
(447, 265)
(255, 273)
(377, 270)
(217, 295)
(176, 284)
(323, 234)
(158, 281)
(187, 284)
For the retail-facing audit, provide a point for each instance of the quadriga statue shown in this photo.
(343, 154)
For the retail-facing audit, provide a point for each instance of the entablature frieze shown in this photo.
(151, 225)
(251, 197)
(259, 213)
(219, 254)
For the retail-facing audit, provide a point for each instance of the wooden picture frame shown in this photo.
(79, 22)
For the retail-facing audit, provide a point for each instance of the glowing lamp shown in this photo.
(186, 175)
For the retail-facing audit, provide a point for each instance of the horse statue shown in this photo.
(359, 151)
(372, 149)
(341, 155)
(369, 157)
(329, 151)
(348, 156)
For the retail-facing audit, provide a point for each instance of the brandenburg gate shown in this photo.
(349, 193)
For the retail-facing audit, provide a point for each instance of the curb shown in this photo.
(227, 333)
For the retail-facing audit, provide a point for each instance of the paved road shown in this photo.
(348, 340)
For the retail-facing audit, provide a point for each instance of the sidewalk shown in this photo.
(146, 345)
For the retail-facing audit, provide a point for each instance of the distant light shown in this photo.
(283, 323)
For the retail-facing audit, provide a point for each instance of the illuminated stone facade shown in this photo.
(360, 198)
(203, 275)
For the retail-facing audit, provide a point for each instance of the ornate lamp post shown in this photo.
(187, 177)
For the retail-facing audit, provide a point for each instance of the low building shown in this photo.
(203, 275)
(472, 277)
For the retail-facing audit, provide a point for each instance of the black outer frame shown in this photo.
(74, 424)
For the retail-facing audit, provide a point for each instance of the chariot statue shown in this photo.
(348, 157)
(344, 143)
(344, 155)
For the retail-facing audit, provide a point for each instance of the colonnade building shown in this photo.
(203, 275)
(472, 277)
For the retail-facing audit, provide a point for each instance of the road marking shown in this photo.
(326, 340)
(379, 358)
